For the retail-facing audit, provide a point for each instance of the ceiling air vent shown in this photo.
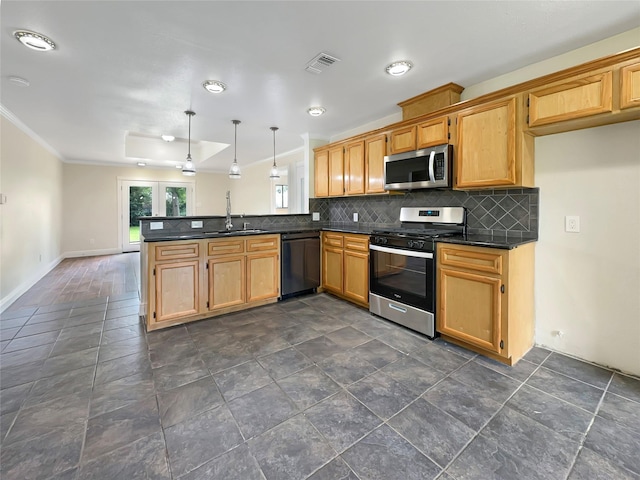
(319, 62)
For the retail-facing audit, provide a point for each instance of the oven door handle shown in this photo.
(405, 253)
(432, 175)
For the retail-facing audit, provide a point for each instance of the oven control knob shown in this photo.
(382, 240)
(419, 244)
(410, 244)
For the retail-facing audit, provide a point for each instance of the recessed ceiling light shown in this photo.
(35, 41)
(21, 82)
(316, 111)
(168, 138)
(214, 86)
(399, 68)
(142, 164)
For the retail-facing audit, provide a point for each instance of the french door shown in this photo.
(150, 199)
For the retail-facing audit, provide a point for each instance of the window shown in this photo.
(282, 196)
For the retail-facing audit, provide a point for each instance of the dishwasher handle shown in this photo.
(300, 235)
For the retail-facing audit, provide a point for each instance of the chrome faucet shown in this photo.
(227, 224)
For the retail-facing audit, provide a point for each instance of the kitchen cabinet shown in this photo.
(354, 168)
(485, 299)
(491, 148)
(190, 280)
(402, 140)
(336, 171)
(321, 173)
(227, 277)
(578, 97)
(375, 151)
(433, 132)
(345, 266)
(175, 284)
(630, 86)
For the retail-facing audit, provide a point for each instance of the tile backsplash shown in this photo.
(500, 213)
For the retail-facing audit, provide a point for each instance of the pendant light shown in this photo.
(234, 171)
(189, 169)
(274, 169)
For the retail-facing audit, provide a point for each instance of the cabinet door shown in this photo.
(403, 140)
(263, 276)
(487, 145)
(630, 86)
(574, 99)
(321, 173)
(375, 151)
(433, 132)
(226, 281)
(470, 308)
(336, 171)
(176, 290)
(356, 276)
(354, 168)
(332, 269)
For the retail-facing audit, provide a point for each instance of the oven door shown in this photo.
(404, 276)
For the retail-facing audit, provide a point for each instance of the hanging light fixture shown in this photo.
(274, 169)
(189, 169)
(234, 171)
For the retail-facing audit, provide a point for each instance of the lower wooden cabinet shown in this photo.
(345, 266)
(191, 280)
(485, 299)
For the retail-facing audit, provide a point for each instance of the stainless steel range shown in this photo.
(402, 273)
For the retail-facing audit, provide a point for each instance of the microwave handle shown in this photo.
(432, 175)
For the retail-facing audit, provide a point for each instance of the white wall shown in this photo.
(588, 283)
(31, 220)
(91, 202)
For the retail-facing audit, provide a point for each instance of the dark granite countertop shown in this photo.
(477, 240)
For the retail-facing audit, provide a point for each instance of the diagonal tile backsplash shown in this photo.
(500, 213)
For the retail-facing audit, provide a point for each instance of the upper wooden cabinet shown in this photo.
(354, 168)
(432, 133)
(336, 171)
(630, 86)
(375, 151)
(321, 173)
(491, 149)
(579, 97)
(402, 140)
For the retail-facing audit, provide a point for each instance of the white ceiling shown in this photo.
(133, 67)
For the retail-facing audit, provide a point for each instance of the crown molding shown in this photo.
(9, 115)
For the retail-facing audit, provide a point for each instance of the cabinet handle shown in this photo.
(501, 344)
(501, 288)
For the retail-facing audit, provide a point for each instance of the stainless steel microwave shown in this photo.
(425, 168)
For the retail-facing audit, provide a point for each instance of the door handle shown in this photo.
(399, 309)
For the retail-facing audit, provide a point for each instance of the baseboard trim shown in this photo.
(22, 288)
(92, 253)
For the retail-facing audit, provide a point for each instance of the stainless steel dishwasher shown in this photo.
(300, 268)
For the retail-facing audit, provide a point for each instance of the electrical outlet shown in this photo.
(315, 216)
(196, 223)
(572, 224)
(355, 217)
(156, 225)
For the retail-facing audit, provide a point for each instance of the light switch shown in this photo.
(355, 217)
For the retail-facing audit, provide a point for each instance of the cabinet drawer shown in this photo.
(173, 252)
(226, 246)
(476, 259)
(262, 243)
(358, 243)
(332, 239)
(574, 99)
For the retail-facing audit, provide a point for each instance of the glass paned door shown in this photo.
(147, 199)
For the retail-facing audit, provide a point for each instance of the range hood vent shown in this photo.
(319, 62)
